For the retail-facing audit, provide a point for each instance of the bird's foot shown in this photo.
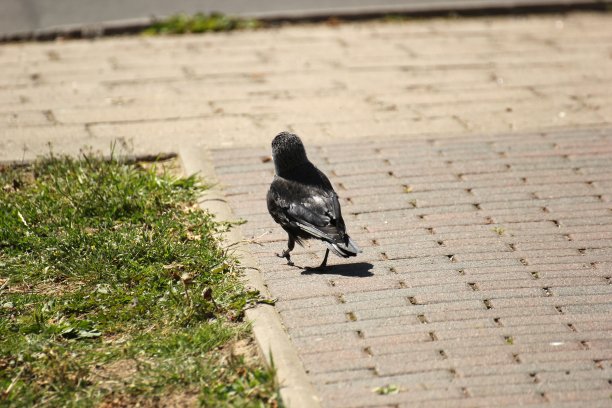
(285, 254)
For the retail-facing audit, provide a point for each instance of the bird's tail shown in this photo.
(344, 248)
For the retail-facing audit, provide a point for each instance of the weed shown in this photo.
(200, 23)
(387, 389)
(499, 230)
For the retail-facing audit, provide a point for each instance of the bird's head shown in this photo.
(288, 152)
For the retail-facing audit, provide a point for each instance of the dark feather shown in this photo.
(302, 200)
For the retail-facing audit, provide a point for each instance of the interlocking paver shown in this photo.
(508, 272)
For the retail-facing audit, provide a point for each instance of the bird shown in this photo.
(302, 200)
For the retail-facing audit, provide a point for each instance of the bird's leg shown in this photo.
(286, 252)
(320, 267)
(324, 263)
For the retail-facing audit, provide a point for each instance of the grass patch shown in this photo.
(114, 290)
(200, 23)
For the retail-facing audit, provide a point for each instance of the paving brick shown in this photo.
(482, 312)
(606, 307)
(323, 366)
(574, 375)
(524, 367)
(408, 382)
(593, 321)
(491, 295)
(355, 398)
(291, 320)
(505, 400)
(559, 336)
(364, 326)
(328, 342)
(403, 292)
(591, 398)
(305, 290)
(378, 348)
(567, 355)
(410, 363)
(312, 302)
(551, 300)
(492, 330)
(343, 376)
(540, 283)
(582, 290)
(449, 329)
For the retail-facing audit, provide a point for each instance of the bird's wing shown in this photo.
(312, 210)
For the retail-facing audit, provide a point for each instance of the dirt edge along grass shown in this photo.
(115, 290)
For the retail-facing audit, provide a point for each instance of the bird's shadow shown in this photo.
(356, 270)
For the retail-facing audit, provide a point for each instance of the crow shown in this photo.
(302, 200)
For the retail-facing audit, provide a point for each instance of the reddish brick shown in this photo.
(502, 369)
(428, 345)
(343, 376)
(351, 397)
(492, 295)
(551, 300)
(328, 342)
(354, 326)
(325, 366)
(542, 282)
(568, 355)
(592, 398)
(418, 362)
(493, 401)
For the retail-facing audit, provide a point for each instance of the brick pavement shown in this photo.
(361, 80)
(485, 277)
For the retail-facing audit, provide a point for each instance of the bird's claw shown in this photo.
(286, 255)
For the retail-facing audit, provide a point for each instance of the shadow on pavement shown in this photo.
(357, 270)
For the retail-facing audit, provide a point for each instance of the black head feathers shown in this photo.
(288, 152)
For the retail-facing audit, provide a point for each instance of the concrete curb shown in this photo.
(274, 344)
